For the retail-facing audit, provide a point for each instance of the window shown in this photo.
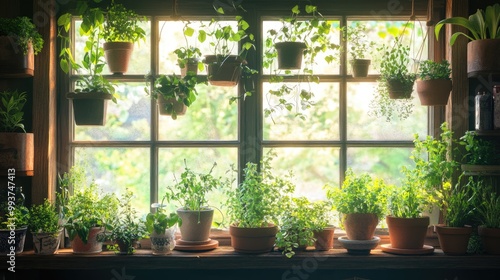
(142, 151)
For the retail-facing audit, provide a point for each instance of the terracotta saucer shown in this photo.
(426, 250)
(180, 246)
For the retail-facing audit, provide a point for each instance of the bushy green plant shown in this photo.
(357, 37)
(478, 151)
(11, 111)
(409, 200)
(395, 64)
(382, 106)
(360, 194)
(122, 25)
(460, 210)
(44, 218)
(23, 31)
(159, 221)
(481, 25)
(431, 70)
(257, 201)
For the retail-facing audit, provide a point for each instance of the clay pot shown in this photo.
(360, 67)
(453, 240)
(89, 108)
(482, 57)
(290, 54)
(324, 239)
(491, 239)
(117, 56)
(434, 92)
(399, 90)
(407, 233)
(92, 246)
(13, 62)
(223, 71)
(17, 151)
(360, 226)
(196, 225)
(253, 240)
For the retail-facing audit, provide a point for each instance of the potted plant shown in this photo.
(488, 210)
(189, 57)
(44, 224)
(383, 106)
(394, 70)
(174, 94)
(126, 228)
(17, 145)
(13, 218)
(480, 155)
(254, 207)
(120, 31)
(320, 221)
(190, 192)
(484, 36)
(434, 82)
(359, 46)
(87, 213)
(93, 90)
(19, 43)
(161, 228)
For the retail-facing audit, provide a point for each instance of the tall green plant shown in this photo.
(11, 111)
(122, 25)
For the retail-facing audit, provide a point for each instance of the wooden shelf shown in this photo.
(481, 170)
(489, 133)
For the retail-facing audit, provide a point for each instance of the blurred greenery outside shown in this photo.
(126, 163)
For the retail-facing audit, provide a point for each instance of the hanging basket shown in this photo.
(223, 70)
(434, 92)
(89, 108)
(290, 55)
(360, 67)
(399, 90)
(170, 107)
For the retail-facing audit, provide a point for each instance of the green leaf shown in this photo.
(189, 31)
(296, 10)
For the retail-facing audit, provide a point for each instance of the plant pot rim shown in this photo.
(269, 225)
(200, 210)
(395, 217)
(284, 43)
(89, 95)
(360, 60)
(47, 233)
(232, 58)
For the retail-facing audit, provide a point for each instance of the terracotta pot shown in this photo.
(191, 66)
(167, 106)
(117, 56)
(407, 233)
(453, 240)
(17, 151)
(360, 67)
(360, 226)
(482, 58)
(13, 62)
(290, 54)
(196, 225)
(491, 239)
(164, 243)
(223, 71)
(89, 108)
(399, 90)
(434, 92)
(253, 240)
(45, 243)
(324, 239)
(91, 247)
(19, 238)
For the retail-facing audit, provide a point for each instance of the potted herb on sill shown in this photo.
(13, 218)
(359, 46)
(394, 70)
(196, 214)
(320, 220)
(189, 57)
(121, 30)
(254, 207)
(93, 90)
(19, 43)
(488, 212)
(17, 146)
(434, 83)
(44, 224)
(484, 36)
(161, 228)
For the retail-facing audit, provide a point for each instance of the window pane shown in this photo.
(210, 117)
(383, 162)
(128, 120)
(321, 121)
(116, 169)
(312, 168)
(361, 125)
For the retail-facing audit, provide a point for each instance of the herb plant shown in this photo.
(23, 31)
(431, 70)
(488, 206)
(44, 218)
(395, 65)
(358, 39)
(409, 200)
(122, 25)
(159, 221)
(11, 111)
(478, 151)
(460, 210)
(13, 212)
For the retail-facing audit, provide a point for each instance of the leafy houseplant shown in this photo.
(254, 206)
(434, 83)
(488, 209)
(359, 46)
(13, 218)
(46, 228)
(189, 57)
(161, 231)
(484, 28)
(20, 41)
(174, 94)
(17, 145)
(478, 151)
(394, 70)
(121, 30)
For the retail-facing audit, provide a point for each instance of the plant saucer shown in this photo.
(426, 250)
(359, 247)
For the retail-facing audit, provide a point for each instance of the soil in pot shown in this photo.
(117, 56)
(360, 226)
(360, 67)
(253, 240)
(434, 92)
(407, 233)
(45, 243)
(13, 63)
(324, 239)
(453, 240)
(290, 55)
(482, 57)
(223, 71)
(89, 108)
(91, 247)
(196, 225)
(490, 238)
(5, 246)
